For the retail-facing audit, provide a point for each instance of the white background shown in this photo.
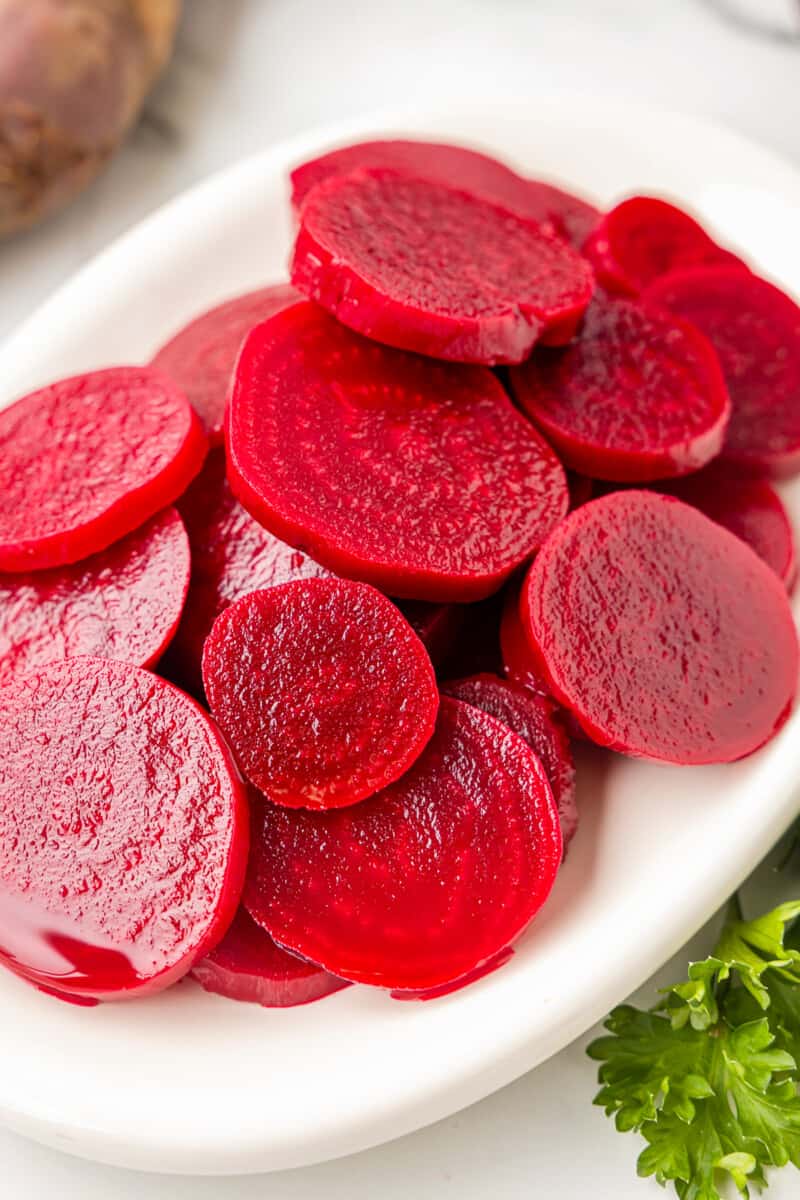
(249, 72)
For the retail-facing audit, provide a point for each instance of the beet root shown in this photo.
(638, 395)
(520, 663)
(120, 808)
(448, 487)
(428, 880)
(649, 619)
(249, 966)
(416, 265)
(123, 603)
(73, 77)
(310, 736)
(87, 460)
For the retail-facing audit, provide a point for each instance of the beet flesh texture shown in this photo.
(755, 329)
(322, 688)
(534, 719)
(564, 214)
(425, 882)
(123, 830)
(664, 634)
(201, 356)
(418, 477)
(249, 966)
(123, 603)
(643, 238)
(520, 662)
(638, 395)
(748, 507)
(89, 459)
(420, 266)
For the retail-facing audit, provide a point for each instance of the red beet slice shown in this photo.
(231, 555)
(322, 688)
(750, 508)
(639, 395)
(420, 266)
(664, 634)
(534, 719)
(755, 330)
(248, 965)
(418, 477)
(564, 214)
(436, 625)
(200, 357)
(424, 882)
(123, 830)
(87, 460)
(520, 663)
(122, 603)
(644, 238)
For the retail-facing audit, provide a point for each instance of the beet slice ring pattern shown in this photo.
(322, 688)
(755, 329)
(123, 603)
(447, 487)
(428, 880)
(534, 719)
(87, 460)
(248, 965)
(644, 238)
(123, 830)
(750, 508)
(200, 357)
(650, 619)
(423, 267)
(639, 395)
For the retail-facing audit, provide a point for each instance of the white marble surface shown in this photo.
(252, 71)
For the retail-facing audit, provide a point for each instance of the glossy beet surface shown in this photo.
(534, 719)
(424, 882)
(87, 460)
(322, 688)
(200, 356)
(231, 555)
(664, 634)
(248, 965)
(750, 508)
(123, 830)
(418, 477)
(755, 330)
(417, 265)
(122, 603)
(637, 396)
(643, 238)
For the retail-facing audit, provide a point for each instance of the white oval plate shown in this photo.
(190, 1082)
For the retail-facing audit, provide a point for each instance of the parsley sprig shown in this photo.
(710, 1076)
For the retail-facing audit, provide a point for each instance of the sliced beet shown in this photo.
(564, 214)
(87, 460)
(123, 830)
(424, 882)
(248, 965)
(322, 688)
(755, 330)
(231, 555)
(520, 663)
(663, 633)
(436, 625)
(643, 238)
(535, 719)
(748, 507)
(418, 477)
(420, 266)
(200, 357)
(123, 603)
(638, 395)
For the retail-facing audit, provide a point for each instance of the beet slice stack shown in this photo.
(120, 808)
(428, 880)
(447, 486)
(651, 624)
